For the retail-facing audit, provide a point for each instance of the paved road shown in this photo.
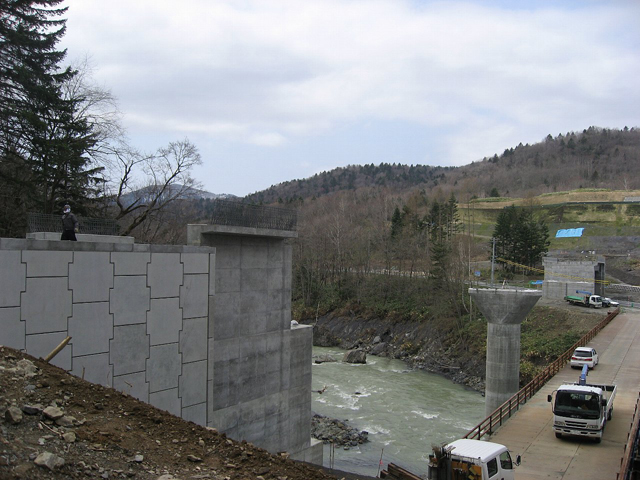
(529, 432)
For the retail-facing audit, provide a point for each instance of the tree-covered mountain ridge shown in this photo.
(594, 158)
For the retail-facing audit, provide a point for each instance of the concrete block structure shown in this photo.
(202, 331)
(564, 276)
(259, 366)
(504, 309)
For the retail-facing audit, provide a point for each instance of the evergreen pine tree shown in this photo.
(43, 143)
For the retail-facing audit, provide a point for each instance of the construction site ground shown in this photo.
(105, 434)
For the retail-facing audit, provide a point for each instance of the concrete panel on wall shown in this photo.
(129, 349)
(167, 400)
(130, 263)
(226, 305)
(212, 274)
(193, 383)
(225, 326)
(252, 367)
(165, 275)
(164, 320)
(254, 302)
(134, 384)
(130, 300)
(43, 344)
(224, 370)
(163, 367)
(12, 328)
(275, 279)
(275, 300)
(94, 368)
(46, 305)
(274, 321)
(251, 420)
(254, 256)
(193, 339)
(90, 328)
(227, 280)
(226, 420)
(91, 276)
(194, 298)
(255, 324)
(12, 278)
(47, 263)
(195, 413)
(195, 262)
(276, 255)
(227, 255)
(254, 279)
(273, 362)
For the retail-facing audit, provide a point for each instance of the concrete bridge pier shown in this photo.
(504, 310)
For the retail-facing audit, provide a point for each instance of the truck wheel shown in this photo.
(558, 435)
(598, 439)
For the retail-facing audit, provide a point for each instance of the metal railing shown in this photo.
(238, 214)
(40, 222)
(508, 408)
(629, 463)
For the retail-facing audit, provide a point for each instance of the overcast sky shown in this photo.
(276, 90)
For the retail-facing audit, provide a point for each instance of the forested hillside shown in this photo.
(593, 158)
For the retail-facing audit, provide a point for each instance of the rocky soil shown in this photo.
(56, 426)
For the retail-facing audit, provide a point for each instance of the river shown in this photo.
(405, 411)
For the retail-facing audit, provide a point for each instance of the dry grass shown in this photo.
(581, 195)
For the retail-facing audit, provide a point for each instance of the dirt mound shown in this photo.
(57, 426)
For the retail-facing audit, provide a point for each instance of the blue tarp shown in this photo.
(569, 232)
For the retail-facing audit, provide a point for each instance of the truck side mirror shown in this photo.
(603, 402)
(518, 460)
(549, 398)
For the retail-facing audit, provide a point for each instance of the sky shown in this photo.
(277, 90)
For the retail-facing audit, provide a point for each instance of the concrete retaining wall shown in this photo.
(163, 324)
(564, 276)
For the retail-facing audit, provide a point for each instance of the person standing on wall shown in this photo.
(70, 225)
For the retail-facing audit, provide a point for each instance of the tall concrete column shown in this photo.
(504, 310)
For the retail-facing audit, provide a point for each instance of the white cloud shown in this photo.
(266, 72)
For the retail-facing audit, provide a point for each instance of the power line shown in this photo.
(561, 275)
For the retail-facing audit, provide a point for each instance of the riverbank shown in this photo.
(413, 342)
(452, 350)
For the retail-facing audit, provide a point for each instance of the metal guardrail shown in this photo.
(508, 408)
(238, 214)
(630, 462)
(40, 222)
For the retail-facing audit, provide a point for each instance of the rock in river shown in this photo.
(355, 356)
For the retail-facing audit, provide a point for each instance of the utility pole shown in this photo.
(493, 259)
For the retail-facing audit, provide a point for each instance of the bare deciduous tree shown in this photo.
(150, 183)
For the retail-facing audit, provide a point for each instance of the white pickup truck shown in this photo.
(472, 459)
(582, 409)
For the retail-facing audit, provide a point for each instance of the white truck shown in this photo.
(586, 300)
(472, 460)
(582, 409)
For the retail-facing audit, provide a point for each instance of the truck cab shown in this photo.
(472, 459)
(582, 409)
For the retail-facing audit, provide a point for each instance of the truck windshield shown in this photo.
(577, 404)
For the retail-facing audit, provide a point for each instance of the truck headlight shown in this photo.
(593, 427)
(559, 424)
